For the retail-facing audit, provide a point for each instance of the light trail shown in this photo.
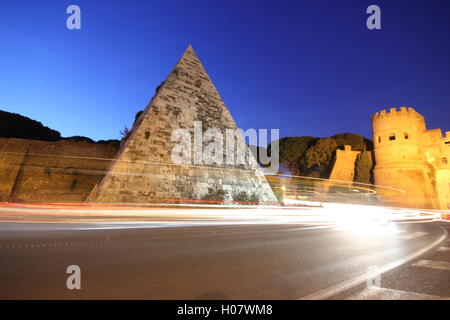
(349, 216)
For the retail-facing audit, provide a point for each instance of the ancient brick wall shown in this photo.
(40, 171)
(344, 165)
(437, 154)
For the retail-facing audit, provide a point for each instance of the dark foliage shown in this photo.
(319, 158)
(137, 115)
(245, 198)
(79, 139)
(363, 167)
(314, 157)
(215, 193)
(13, 125)
(357, 142)
(111, 142)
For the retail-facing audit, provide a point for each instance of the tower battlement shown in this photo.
(398, 119)
(395, 113)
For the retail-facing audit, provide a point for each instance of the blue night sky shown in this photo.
(305, 67)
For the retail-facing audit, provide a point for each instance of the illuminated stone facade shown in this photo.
(143, 170)
(344, 164)
(411, 158)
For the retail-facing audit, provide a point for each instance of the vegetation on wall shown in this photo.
(111, 142)
(79, 139)
(215, 193)
(363, 167)
(243, 197)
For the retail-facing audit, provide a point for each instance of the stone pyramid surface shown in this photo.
(143, 170)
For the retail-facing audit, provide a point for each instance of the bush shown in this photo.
(79, 139)
(363, 167)
(243, 197)
(215, 193)
(254, 198)
(292, 151)
(112, 142)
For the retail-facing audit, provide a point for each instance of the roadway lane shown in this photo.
(424, 278)
(147, 261)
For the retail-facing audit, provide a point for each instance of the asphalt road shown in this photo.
(270, 260)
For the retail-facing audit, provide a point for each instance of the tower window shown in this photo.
(379, 139)
(406, 136)
(392, 137)
(444, 161)
(447, 142)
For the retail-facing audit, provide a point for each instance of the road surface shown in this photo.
(297, 254)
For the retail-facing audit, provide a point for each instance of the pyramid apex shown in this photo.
(189, 51)
(189, 48)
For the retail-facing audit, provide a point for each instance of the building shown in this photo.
(143, 170)
(344, 164)
(411, 158)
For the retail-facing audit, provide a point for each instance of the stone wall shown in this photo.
(344, 164)
(40, 171)
(411, 158)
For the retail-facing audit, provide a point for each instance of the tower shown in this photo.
(400, 161)
(144, 171)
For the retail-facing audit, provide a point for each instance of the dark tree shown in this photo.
(13, 125)
(319, 158)
(125, 133)
(292, 151)
(363, 167)
(357, 142)
(111, 142)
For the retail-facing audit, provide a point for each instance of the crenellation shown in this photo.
(344, 164)
(406, 153)
(398, 114)
(347, 148)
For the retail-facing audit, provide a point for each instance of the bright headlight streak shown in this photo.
(362, 220)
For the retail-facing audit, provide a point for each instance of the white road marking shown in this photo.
(439, 265)
(443, 249)
(345, 285)
(375, 293)
(414, 235)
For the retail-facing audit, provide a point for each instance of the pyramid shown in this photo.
(143, 170)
